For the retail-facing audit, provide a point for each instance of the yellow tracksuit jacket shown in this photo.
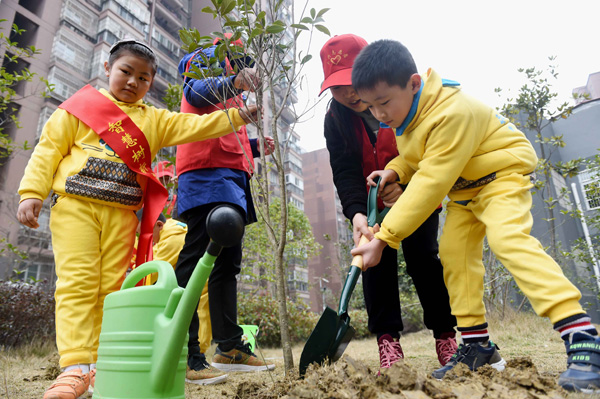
(451, 144)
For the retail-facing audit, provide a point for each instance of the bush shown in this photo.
(26, 313)
(263, 311)
(359, 320)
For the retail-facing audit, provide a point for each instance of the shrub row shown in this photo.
(26, 313)
(263, 311)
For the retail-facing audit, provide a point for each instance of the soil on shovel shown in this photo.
(349, 378)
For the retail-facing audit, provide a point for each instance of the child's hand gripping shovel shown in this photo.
(333, 331)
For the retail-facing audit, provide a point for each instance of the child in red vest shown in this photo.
(211, 173)
(96, 193)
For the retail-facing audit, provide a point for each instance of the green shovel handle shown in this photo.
(373, 214)
(349, 285)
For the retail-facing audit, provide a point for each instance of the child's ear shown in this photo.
(415, 81)
(160, 224)
(106, 69)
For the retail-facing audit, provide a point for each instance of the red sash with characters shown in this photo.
(115, 127)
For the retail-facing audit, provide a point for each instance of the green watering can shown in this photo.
(143, 352)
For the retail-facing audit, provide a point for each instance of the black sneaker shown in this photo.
(474, 355)
(583, 373)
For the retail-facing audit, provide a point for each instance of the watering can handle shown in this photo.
(164, 270)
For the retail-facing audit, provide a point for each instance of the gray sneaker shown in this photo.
(474, 355)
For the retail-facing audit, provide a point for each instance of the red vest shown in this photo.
(376, 157)
(222, 152)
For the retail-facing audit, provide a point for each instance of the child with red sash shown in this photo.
(95, 154)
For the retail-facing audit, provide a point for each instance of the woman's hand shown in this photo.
(249, 113)
(28, 212)
(360, 227)
(269, 145)
(247, 79)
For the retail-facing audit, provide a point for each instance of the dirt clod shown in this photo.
(349, 378)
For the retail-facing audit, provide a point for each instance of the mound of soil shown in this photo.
(351, 379)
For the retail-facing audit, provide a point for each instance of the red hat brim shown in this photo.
(342, 77)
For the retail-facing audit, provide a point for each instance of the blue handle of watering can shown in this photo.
(373, 214)
(166, 275)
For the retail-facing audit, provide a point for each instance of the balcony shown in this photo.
(170, 21)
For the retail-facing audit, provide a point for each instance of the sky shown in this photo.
(480, 44)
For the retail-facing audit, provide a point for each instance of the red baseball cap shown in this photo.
(164, 168)
(337, 56)
(228, 35)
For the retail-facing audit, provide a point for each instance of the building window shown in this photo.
(590, 186)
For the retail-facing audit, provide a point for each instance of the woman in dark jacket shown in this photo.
(357, 146)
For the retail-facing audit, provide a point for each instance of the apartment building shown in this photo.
(591, 90)
(330, 228)
(75, 37)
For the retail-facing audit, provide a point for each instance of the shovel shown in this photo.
(333, 331)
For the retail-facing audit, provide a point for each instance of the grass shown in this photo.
(23, 371)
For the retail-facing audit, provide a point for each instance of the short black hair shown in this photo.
(386, 61)
(134, 47)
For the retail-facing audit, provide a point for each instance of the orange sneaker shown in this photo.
(69, 385)
(92, 380)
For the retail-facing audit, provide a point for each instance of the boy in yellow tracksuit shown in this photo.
(451, 144)
(95, 196)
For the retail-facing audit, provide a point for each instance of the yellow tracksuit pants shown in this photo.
(205, 328)
(92, 246)
(501, 210)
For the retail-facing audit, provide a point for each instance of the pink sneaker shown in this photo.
(446, 346)
(390, 351)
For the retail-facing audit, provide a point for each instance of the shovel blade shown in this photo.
(317, 347)
(345, 334)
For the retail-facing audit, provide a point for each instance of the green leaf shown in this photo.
(306, 20)
(322, 28)
(313, 13)
(233, 23)
(209, 10)
(220, 35)
(275, 28)
(323, 11)
(306, 58)
(227, 6)
(255, 32)
(299, 26)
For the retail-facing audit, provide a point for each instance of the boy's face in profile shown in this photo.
(391, 104)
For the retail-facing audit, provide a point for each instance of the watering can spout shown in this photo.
(226, 228)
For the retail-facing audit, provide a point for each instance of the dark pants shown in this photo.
(380, 284)
(222, 283)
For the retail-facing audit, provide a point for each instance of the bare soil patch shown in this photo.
(534, 352)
